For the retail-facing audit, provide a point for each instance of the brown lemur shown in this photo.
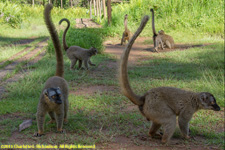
(54, 96)
(161, 39)
(76, 53)
(126, 34)
(161, 105)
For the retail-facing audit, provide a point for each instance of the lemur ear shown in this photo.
(45, 92)
(203, 97)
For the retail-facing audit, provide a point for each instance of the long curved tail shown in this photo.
(153, 27)
(123, 76)
(55, 39)
(125, 22)
(65, 46)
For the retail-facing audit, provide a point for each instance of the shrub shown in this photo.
(10, 14)
(14, 14)
(85, 38)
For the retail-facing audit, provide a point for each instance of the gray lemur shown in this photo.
(161, 105)
(54, 96)
(76, 53)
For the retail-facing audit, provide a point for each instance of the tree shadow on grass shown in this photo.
(9, 41)
(168, 67)
(177, 47)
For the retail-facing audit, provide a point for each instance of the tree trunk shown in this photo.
(94, 6)
(100, 10)
(49, 1)
(90, 9)
(97, 8)
(71, 3)
(33, 3)
(61, 4)
(109, 12)
(104, 10)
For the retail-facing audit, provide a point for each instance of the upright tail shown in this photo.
(123, 76)
(125, 22)
(65, 46)
(153, 27)
(55, 40)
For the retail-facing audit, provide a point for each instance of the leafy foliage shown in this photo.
(16, 14)
(206, 16)
(10, 14)
(85, 38)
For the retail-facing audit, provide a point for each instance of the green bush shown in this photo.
(85, 38)
(10, 14)
(15, 14)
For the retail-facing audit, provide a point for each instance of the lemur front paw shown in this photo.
(38, 134)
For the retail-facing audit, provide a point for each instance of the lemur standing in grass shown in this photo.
(162, 105)
(76, 53)
(54, 96)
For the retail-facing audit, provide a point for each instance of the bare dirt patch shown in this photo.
(86, 23)
(136, 52)
(143, 142)
(141, 49)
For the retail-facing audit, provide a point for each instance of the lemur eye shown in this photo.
(59, 95)
(53, 96)
(212, 103)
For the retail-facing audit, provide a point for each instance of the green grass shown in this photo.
(21, 16)
(101, 116)
(194, 17)
(197, 69)
(205, 16)
(27, 22)
(7, 51)
(20, 66)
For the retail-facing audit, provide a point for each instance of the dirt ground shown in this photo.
(139, 52)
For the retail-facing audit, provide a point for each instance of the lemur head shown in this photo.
(94, 51)
(54, 95)
(208, 101)
(161, 32)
